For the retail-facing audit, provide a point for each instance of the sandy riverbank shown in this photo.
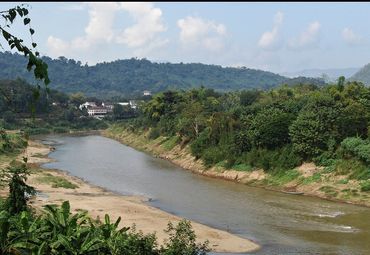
(132, 209)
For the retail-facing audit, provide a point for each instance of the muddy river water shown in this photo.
(280, 223)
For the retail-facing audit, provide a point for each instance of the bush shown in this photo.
(213, 155)
(356, 147)
(37, 131)
(200, 144)
(60, 130)
(283, 158)
(154, 133)
(182, 241)
(365, 186)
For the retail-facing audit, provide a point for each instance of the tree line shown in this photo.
(130, 77)
(275, 130)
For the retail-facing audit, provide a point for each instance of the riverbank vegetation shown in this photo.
(276, 130)
(56, 230)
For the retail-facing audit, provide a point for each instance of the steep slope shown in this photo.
(362, 75)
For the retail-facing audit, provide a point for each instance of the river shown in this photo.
(280, 223)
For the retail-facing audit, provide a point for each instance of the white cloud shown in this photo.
(270, 39)
(148, 23)
(196, 31)
(156, 44)
(143, 34)
(99, 29)
(308, 38)
(57, 47)
(351, 37)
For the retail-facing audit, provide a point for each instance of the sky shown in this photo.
(278, 37)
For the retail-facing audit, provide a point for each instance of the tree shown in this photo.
(182, 241)
(118, 111)
(340, 84)
(77, 98)
(270, 128)
(248, 97)
(19, 191)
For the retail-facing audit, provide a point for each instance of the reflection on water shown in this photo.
(281, 223)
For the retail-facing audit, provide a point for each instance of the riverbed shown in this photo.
(280, 223)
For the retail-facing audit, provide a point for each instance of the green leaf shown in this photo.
(26, 21)
(32, 31)
(34, 45)
(20, 11)
(25, 11)
(12, 14)
(6, 35)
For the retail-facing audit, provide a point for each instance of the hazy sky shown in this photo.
(277, 37)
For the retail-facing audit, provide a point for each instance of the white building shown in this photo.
(97, 111)
(147, 93)
(109, 106)
(133, 104)
(124, 103)
(87, 104)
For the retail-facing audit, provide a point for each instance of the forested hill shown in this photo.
(363, 75)
(132, 76)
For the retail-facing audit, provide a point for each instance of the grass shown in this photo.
(343, 181)
(365, 186)
(38, 155)
(170, 143)
(329, 191)
(56, 181)
(283, 177)
(316, 177)
(242, 167)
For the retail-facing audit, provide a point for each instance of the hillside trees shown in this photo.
(274, 130)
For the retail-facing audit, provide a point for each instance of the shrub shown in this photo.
(365, 186)
(213, 155)
(356, 147)
(60, 130)
(154, 133)
(182, 241)
(200, 143)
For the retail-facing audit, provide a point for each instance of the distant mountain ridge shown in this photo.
(332, 73)
(132, 76)
(363, 75)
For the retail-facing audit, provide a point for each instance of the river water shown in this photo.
(280, 223)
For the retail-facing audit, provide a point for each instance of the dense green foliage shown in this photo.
(274, 130)
(50, 112)
(58, 231)
(19, 192)
(131, 77)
